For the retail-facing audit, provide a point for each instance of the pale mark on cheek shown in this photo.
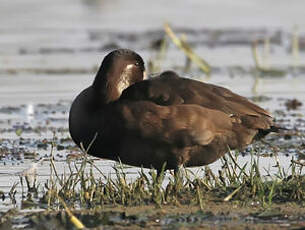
(124, 82)
(130, 66)
(122, 85)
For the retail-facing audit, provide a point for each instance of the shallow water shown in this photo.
(27, 130)
(50, 52)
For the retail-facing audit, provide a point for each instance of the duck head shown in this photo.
(119, 69)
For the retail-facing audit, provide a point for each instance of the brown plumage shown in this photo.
(166, 119)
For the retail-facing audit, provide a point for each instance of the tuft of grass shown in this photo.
(86, 186)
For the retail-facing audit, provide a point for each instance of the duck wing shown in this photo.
(170, 89)
(178, 125)
(147, 134)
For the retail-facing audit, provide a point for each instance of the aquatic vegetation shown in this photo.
(86, 196)
(82, 187)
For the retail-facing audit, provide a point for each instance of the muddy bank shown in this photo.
(214, 216)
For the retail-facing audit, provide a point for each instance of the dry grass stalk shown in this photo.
(200, 62)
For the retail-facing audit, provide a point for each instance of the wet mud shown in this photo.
(218, 216)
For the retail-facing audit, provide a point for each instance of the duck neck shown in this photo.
(110, 82)
(105, 89)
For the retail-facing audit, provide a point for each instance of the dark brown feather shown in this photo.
(165, 119)
(169, 89)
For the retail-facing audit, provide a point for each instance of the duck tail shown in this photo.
(273, 129)
(276, 129)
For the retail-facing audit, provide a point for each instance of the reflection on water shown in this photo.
(30, 112)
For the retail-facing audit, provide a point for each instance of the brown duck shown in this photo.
(167, 119)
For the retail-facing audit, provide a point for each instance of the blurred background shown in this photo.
(50, 51)
(42, 43)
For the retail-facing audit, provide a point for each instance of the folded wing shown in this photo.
(170, 89)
